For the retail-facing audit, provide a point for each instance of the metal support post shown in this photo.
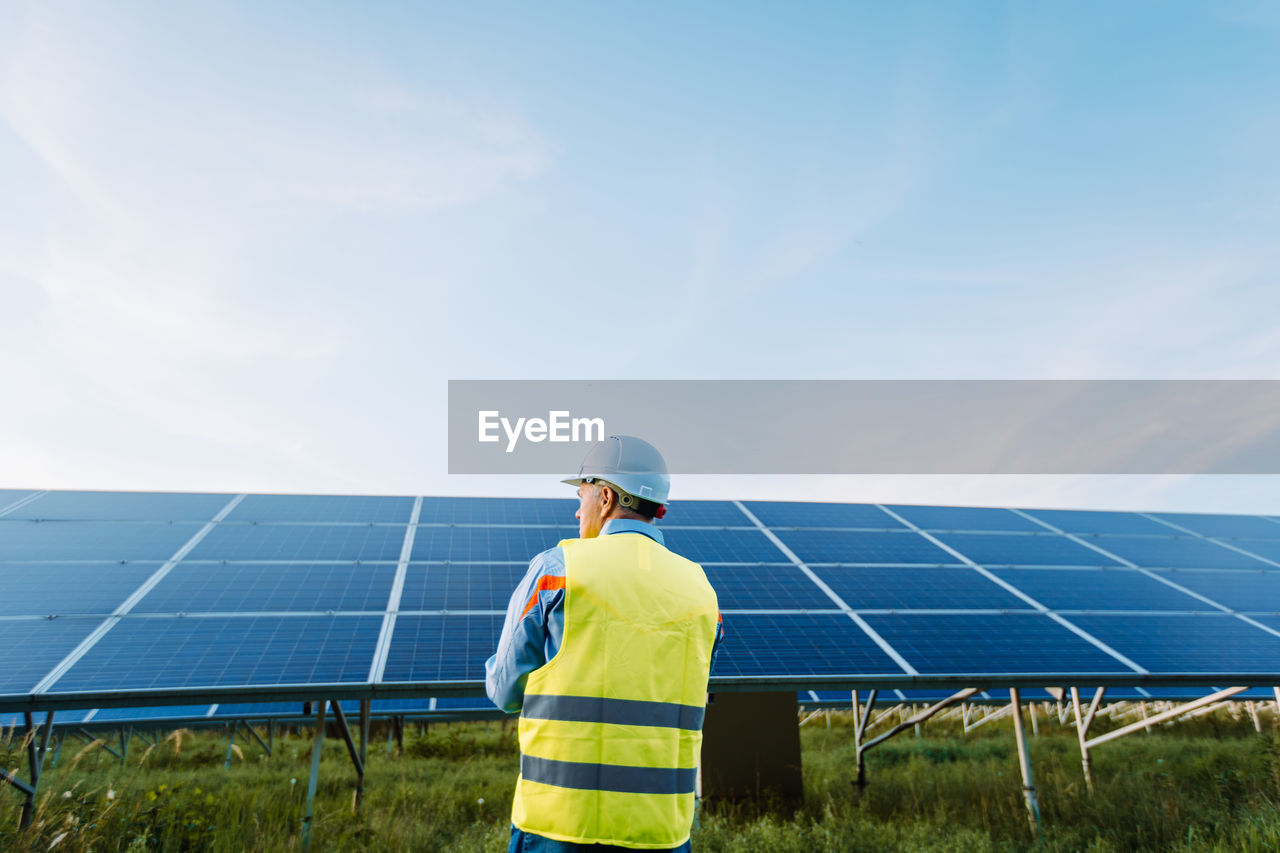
(1253, 712)
(1167, 715)
(124, 743)
(231, 741)
(1024, 762)
(1276, 690)
(860, 718)
(399, 726)
(906, 724)
(1082, 730)
(251, 730)
(341, 719)
(365, 705)
(57, 753)
(1035, 725)
(316, 748)
(1142, 706)
(271, 736)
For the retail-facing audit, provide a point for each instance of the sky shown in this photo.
(245, 246)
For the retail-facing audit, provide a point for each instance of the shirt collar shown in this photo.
(630, 525)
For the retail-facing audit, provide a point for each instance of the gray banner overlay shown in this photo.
(873, 426)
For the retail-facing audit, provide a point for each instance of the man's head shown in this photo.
(620, 477)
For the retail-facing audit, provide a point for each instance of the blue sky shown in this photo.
(245, 249)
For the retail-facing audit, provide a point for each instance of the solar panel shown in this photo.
(722, 546)
(474, 586)
(156, 652)
(802, 514)
(1200, 643)
(32, 647)
(59, 541)
(706, 514)
(442, 648)
(309, 542)
(1236, 589)
(1017, 549)
(295, 590)
(122, 506)
(1178, 552)
(322, 508)
(65, 589)
(798, 644)
(993, 643)
(1224, 526)
(876, 547)
(256, 587)
(541, 511)
(771, 587)
(484, 544)
(1098, 589)
(916, 588)
(1266, 549)
(965, 518)
(1095, 521)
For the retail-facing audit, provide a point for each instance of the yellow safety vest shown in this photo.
(611, 728)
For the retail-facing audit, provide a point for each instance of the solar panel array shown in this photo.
(184, 595)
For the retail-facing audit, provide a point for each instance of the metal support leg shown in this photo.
(364, 746)
(271, 736)
(859, 731)
(926, 714)
(341, 719)
(1082, 730)
(251, 730)
(231, 742)
(316, 748)
(399, 726)
(124, 744)
(1253, 712)
(1035, 725)
(1024, 762)
(57, 753)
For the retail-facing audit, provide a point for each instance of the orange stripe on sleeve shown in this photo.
(547, 583)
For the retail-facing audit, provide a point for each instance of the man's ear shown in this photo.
(608, 497)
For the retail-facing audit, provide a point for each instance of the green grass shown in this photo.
(1209, 784)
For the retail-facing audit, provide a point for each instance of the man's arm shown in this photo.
(531, 632)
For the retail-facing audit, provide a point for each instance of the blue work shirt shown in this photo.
(534, 625)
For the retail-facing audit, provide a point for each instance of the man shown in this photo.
(605, 651)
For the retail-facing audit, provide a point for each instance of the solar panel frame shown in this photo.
(750, 603)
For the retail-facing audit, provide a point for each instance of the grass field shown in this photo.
(1208, 784)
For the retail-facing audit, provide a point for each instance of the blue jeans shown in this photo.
(527, 842)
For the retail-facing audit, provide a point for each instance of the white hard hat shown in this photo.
(632, 464)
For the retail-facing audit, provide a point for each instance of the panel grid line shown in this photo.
(380, 651)
(1215, 541)
(21, 502)
(1163, 580)
(129, 603)
(880, 641)
(1075, 629)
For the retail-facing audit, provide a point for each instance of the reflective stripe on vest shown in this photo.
(611, 728)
